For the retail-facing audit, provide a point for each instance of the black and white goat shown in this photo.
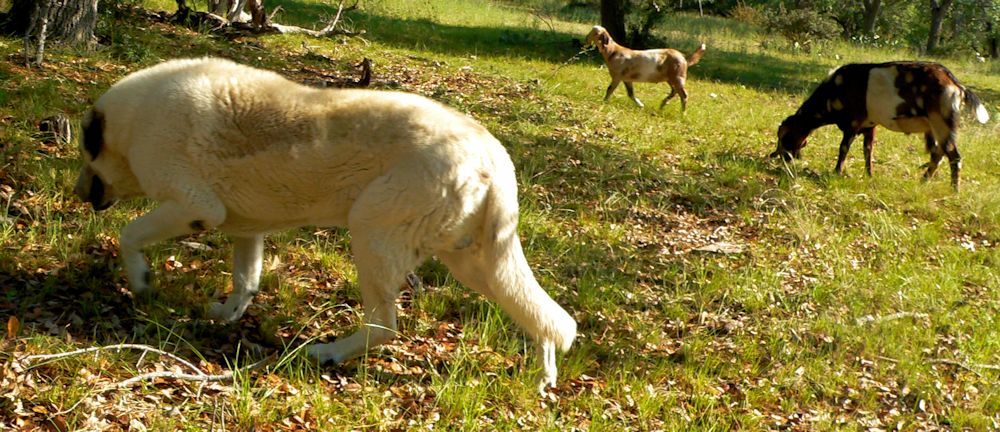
(909, 97)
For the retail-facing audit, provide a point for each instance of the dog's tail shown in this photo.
(696, 56)
(512, 283)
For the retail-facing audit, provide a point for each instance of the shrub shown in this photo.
(745, 13)
(802, 26)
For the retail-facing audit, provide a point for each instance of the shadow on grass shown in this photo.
(85, 299)
(750, 69)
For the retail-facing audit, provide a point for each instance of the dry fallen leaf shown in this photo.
(13, 326)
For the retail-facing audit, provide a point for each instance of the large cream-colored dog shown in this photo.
(221, 145)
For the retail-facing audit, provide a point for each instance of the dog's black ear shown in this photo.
(605, 38)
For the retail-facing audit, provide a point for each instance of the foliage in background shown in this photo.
(801, 27)
(970, 26)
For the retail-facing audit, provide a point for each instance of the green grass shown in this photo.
(800, 331)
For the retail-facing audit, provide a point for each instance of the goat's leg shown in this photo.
(869, 134)
(631, 94)
(954, 160)
(936, 154)
(684, 99)
(673, 92)
(611, 89)
(845, 145)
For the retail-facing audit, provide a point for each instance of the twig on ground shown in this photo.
(197, 376)
(224, 377)
(971, 367)
(898, 315)
(119, 347)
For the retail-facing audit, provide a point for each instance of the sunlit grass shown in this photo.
(850, 294)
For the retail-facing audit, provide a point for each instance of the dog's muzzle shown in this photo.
(94, 192)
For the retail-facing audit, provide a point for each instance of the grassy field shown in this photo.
(849, 303)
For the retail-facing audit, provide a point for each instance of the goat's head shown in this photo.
(598, 36)
(792, 136)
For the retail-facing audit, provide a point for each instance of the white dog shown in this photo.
(221, 145)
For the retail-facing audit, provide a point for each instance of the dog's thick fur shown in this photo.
(226, 146)
(651, 66)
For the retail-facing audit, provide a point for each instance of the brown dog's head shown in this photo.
(598, 36)
(791, 139)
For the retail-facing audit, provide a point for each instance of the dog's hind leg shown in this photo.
(507, 280)
(382, 268)
(380, 224)
(248, 257)
(167, 221)
(495, 266)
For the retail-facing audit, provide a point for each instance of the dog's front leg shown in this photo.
(167, 221)
(547, 358)
(248, 257)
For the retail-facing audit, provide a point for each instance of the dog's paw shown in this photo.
(141, 283)
(323, 353)
(546, 383)
(221, 312)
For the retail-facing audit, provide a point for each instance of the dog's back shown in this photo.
(253, 135)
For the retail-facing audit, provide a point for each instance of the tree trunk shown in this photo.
(872, 9)
(992, 42)
(67, 21)
(938, 11)
(613, 18)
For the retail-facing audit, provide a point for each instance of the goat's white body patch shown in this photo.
(643, 66)
(883, 101)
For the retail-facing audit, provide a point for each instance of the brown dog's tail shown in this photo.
(696, 56)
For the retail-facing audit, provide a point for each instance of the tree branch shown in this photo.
(200, 377)
(119, 347)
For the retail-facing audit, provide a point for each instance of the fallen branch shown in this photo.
(971, 367)
(329, 30)
(200, 377)
(898, 315)
(119, 347)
